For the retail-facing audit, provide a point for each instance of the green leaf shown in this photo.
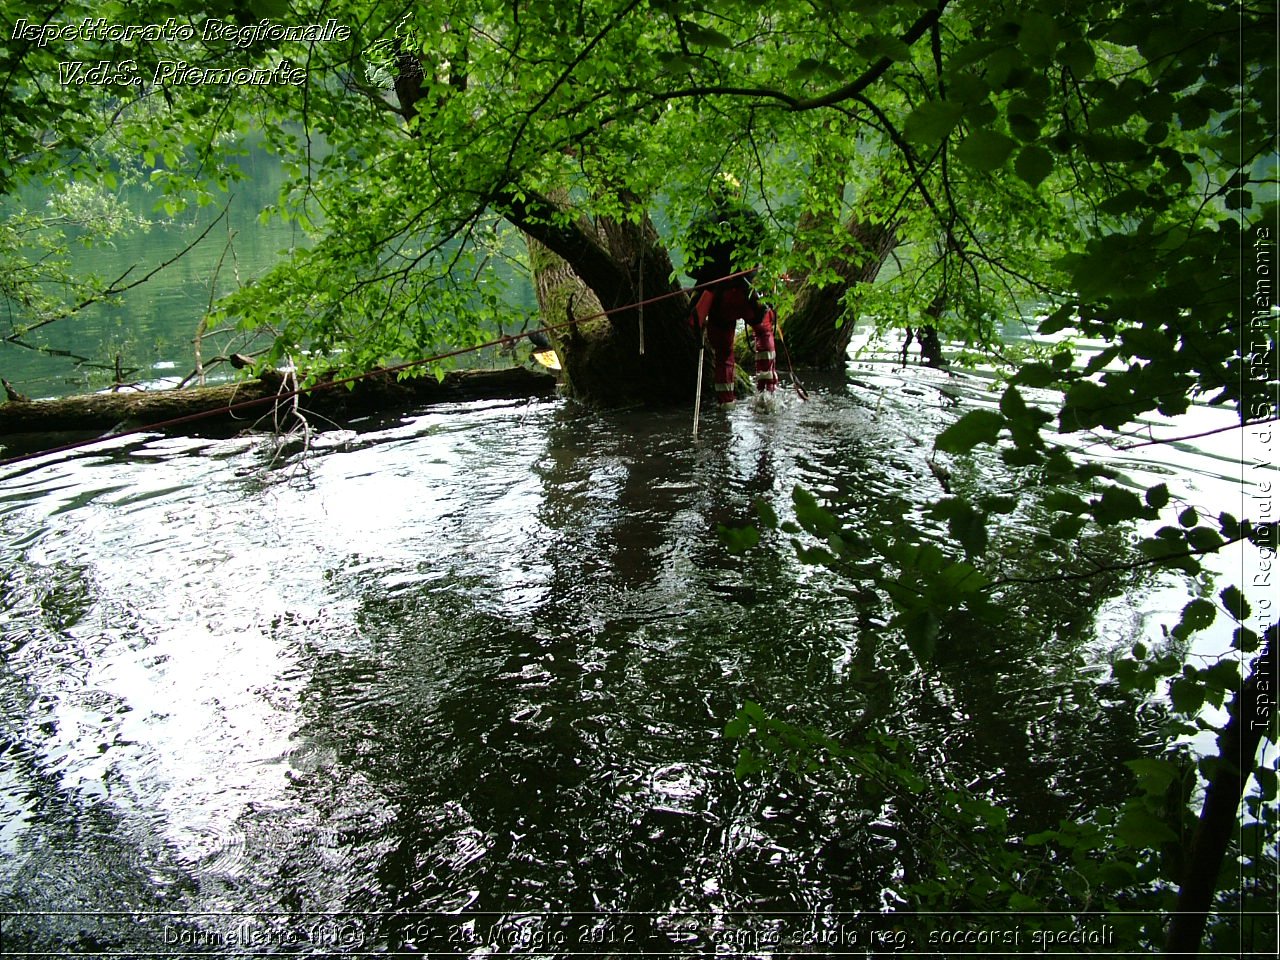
(958, 579)
(1265, 535)
(1157, 496)
(1038, 37)
(1157, 106)
(676, 64)
(805, 69)
(1066, 528)
(705, 36)
(738, 539)
(1090, 405)
(1035, 374)
(768, 516)
(1156, 133)
(975, 427)
(1204, 538)
(973, 51)
(1078, 57)
(1196, 615)
(1021, 903)
(1186, 695)
(1221, 678)
(1117, 874)
(878, 45)
(1229, 526)
(1116, 505)
(1245, 640)
(970, 530)
(739, 726)
(932, 121)
(269, 9)
(1012, 405)
(811, 515)
(985, 150)
(966, 525)
(1139, 829)
(1153, 775)
(1061, 318)
(749, 764)
(920, 630)
(1112, 149)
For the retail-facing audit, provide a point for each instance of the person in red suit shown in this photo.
(723, 244)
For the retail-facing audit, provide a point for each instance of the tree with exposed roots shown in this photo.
(1100, 171)
(424, 133)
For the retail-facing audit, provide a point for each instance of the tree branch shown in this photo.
(877, 69)
(1192, 436)
(538, 216)
(113, 289)
(1121, 567)
(850, 91)
(1218, 823)
(564, 77)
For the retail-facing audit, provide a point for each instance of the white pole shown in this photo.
(697, 402)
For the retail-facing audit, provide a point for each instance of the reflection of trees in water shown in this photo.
(500, 731)
(155, 321)
(569, 753)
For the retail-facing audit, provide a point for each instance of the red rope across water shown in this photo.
(343, 381)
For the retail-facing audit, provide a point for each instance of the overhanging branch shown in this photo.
(849, 91)
(114, 289)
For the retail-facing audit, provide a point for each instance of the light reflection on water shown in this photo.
(481, 659)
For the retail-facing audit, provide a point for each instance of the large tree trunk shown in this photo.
(818, 330)
(630, 354)
(648, 355)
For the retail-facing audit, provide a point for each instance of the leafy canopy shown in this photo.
(1106, 167)
(1089, 157)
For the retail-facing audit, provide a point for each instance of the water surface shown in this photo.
(479, 660)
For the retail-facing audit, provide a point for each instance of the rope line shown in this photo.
(343, 381)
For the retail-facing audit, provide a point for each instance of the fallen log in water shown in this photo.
(249, 401)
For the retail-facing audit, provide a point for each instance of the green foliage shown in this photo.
(739, 539)
(974, 428)
(1148, 277)
(1102, 166)
(1029, 151)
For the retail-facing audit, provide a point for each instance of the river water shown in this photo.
(477, 661)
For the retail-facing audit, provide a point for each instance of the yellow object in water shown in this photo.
(547, 358)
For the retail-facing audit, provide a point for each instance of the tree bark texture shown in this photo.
(818, 330)
(1237, 756)
(634, 354)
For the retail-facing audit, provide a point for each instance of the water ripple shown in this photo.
(482, 659)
